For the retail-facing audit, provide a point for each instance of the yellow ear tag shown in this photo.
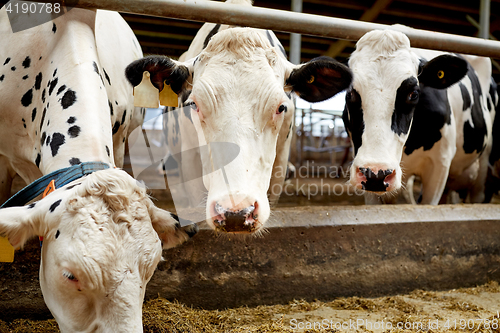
(145, 94)
(440, 74)
(6, 250)
(311, 79)
(168, 97)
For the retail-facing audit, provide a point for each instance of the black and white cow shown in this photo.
(417, 112)
(240, 86)
(64, 101)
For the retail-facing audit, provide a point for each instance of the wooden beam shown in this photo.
(368, 16)
(157, 34)
(164, 22)
(473, 9)
(427, 17)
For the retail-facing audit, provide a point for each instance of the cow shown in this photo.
(64, 105)
(417, 112)
(239, 86)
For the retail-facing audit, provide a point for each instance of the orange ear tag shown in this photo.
(168, 97)
(50, 188)
(145, 94)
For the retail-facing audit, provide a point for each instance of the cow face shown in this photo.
(240, 88)
(100, 249)
(389, 83)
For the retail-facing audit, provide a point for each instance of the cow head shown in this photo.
(390, 83)
(240, 91)
(102, 240)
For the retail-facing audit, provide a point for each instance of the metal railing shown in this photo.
(281, 20)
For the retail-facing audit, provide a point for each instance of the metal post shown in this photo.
(295, 39)
(484, 19)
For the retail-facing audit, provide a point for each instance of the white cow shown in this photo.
(407, 116)
(240, 86)
(64, 101)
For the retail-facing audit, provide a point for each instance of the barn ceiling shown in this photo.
(172, 37)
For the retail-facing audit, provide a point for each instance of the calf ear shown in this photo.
(161, 69)
(19, 224)
(168, 227)
(319, 79)
(443, 71)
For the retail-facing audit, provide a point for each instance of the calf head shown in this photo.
(240, 89)
(390, 83)
(102, 241)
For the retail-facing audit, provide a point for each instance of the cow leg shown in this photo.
(477, 193)
(433, 182)
(408, 192)
(5, 179)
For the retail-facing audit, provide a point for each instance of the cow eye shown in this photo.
(69, 276)
(351, 96)
(193, 106)
(282, 108)
(413, 96)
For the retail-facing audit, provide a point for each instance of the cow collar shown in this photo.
(53, 180)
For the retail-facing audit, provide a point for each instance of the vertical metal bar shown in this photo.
(484, 19)
(295, 39)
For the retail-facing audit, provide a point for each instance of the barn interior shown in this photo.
(312, 253)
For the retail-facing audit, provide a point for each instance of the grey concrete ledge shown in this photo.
(310, 253)
(380, 214)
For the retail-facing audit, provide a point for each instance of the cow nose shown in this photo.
(376, 181)
(238, 221)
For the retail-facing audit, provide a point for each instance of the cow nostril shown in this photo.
(243, 220)
(247, 211)
(376, 181)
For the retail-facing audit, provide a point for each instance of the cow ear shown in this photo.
(162, 69)
(319, 79)
(19, 224)
(442, 71)
(168, 227)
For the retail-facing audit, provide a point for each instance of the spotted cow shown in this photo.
(64, 101)
(239, 86)
(417, 112)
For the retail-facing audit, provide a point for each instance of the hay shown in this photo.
(162, 316)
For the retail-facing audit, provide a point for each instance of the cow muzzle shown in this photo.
(235, 218)
(375, 180)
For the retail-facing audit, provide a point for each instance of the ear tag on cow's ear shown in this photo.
(168, 97)
(440, 74)
(145, 94)
(50, 188)
(6, 250)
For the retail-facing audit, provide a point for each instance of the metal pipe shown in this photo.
(484, 19)
(286, 21)
(295, 39)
